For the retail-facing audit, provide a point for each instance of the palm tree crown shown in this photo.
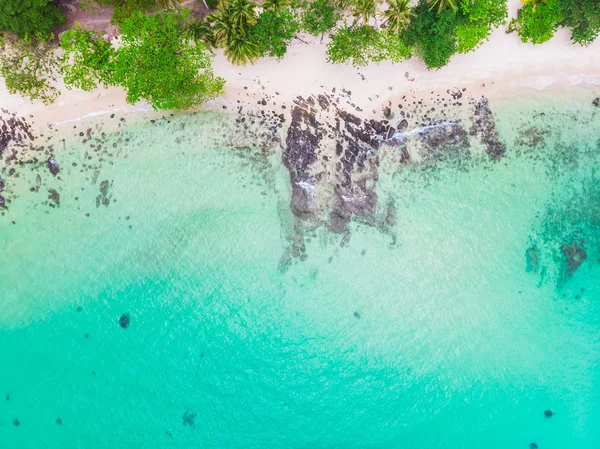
(231, 25)
(398, 15)
(363, 10)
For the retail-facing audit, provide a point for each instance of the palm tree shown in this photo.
(240, 50)
(276, 5)
(443, 4)
(398, 15)
(200, 31)
(363, 10)
(241, 14)
(230, 27)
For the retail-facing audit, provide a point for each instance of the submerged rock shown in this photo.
(533, 446)
(189, 419)
(532, 259)
(484, 126)
(2, 201)
(576, 255)
(53, 166)
(54, 196)
(548, 413)
(124, 321)
(16, 422)
(2, 185)
(596, 102)
(59, 421)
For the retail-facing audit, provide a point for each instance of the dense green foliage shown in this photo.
(164, 56)
(273, 30)
(583, 17)
(363, 44)
(439, 30)
(29, 17)
(170, 73)
(432, 36)
(476, 21)
(538, 21)
(87, 61)
(320, 16)
(27, 66)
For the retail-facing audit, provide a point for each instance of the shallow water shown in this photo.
(432, 332)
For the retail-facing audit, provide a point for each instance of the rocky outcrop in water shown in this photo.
(532, 259)
(14, 131)
(189, 419)
(331, 155)
(484, 126)
(575, 255)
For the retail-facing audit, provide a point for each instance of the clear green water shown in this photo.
(456, 345)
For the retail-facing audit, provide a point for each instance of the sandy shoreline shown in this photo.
(502, 67)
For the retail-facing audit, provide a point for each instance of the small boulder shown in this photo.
(125, 320)
(533, 446)
(596, 102)
(548, 413)
(53, 166)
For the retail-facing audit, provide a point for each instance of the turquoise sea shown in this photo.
(456, 326)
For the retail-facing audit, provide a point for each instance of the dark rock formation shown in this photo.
(59, 421)
(2, 201)
(533, 446)
(53, 166)
(13, 131)
(357, 315)
(575, 254)
(300, 153)
(124, 321)
(596, 102)
(189, 419)
(532, 259)
(445, 141)
(16, 423)
(54, 196)
(548, 413)
(484, 126)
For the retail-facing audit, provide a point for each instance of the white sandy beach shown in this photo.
(503, 66)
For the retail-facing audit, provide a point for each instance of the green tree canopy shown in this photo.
(432, 34)
(29, 17)
(537, 22)
(28, 67)
(154, 62)
(272, 31)
(319, 17)
(364, 44)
